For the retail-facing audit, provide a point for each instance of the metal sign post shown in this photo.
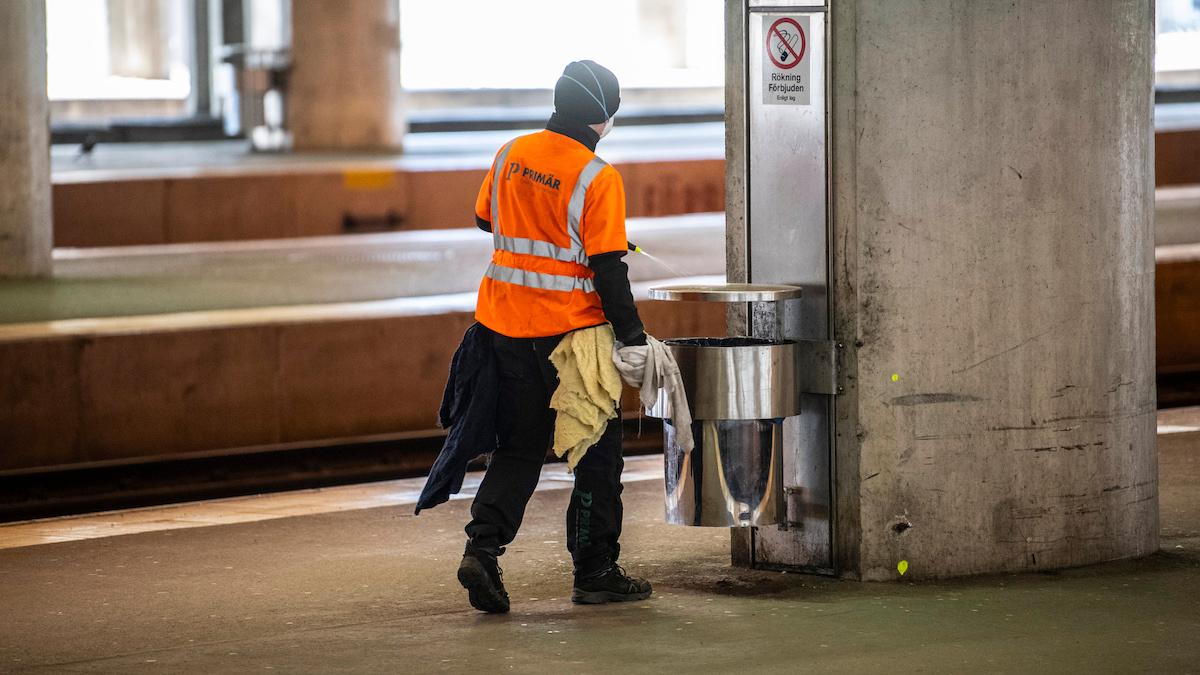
(777, 133)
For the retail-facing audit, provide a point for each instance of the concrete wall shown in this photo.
(1177, 157)
(151, 387)
(994, 264)
(1177, 308)
(24, 141)
(111, 211)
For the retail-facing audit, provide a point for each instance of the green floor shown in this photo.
(373, 591)
(161, 280)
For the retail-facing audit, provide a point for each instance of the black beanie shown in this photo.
(588, 92)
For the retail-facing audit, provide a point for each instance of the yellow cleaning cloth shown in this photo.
(589, 387)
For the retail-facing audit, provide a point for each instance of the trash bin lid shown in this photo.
(725, 292)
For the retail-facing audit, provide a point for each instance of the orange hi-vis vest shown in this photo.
(552, 204)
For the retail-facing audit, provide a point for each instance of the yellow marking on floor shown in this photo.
(255, 508)
(334, 499)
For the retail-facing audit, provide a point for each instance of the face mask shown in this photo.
(607, 127)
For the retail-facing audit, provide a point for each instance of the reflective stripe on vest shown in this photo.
(549, 282)
(536, 247)
(496, 176)
(575, 206)
(539, 248)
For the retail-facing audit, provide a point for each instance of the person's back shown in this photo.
(557, 217)
(555, 206)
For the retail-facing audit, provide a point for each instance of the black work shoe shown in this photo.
(609, 585)
(480, 574)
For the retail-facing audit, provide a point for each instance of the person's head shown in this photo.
(588, 93)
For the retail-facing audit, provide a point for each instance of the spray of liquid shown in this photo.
(638, 249)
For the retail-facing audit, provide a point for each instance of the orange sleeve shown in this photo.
(604, 214)
(483, 203)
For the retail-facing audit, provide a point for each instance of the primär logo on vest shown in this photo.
(532, 175)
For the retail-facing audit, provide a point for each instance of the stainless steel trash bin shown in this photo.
(739, 390)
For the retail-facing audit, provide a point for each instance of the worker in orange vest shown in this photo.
(556, 212)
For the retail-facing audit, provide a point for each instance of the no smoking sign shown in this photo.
(786, 71)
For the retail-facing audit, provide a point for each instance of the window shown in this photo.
(1177, 50)
(112, 59)
(119, 58)
(660, 45)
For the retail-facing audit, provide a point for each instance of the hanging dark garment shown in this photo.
(468, 411)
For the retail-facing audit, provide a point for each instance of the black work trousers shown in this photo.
(525, 428)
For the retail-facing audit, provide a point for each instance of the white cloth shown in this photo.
(650, 368)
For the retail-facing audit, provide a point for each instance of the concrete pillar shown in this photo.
(25, 232)
(994, 282)
(345, 81)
